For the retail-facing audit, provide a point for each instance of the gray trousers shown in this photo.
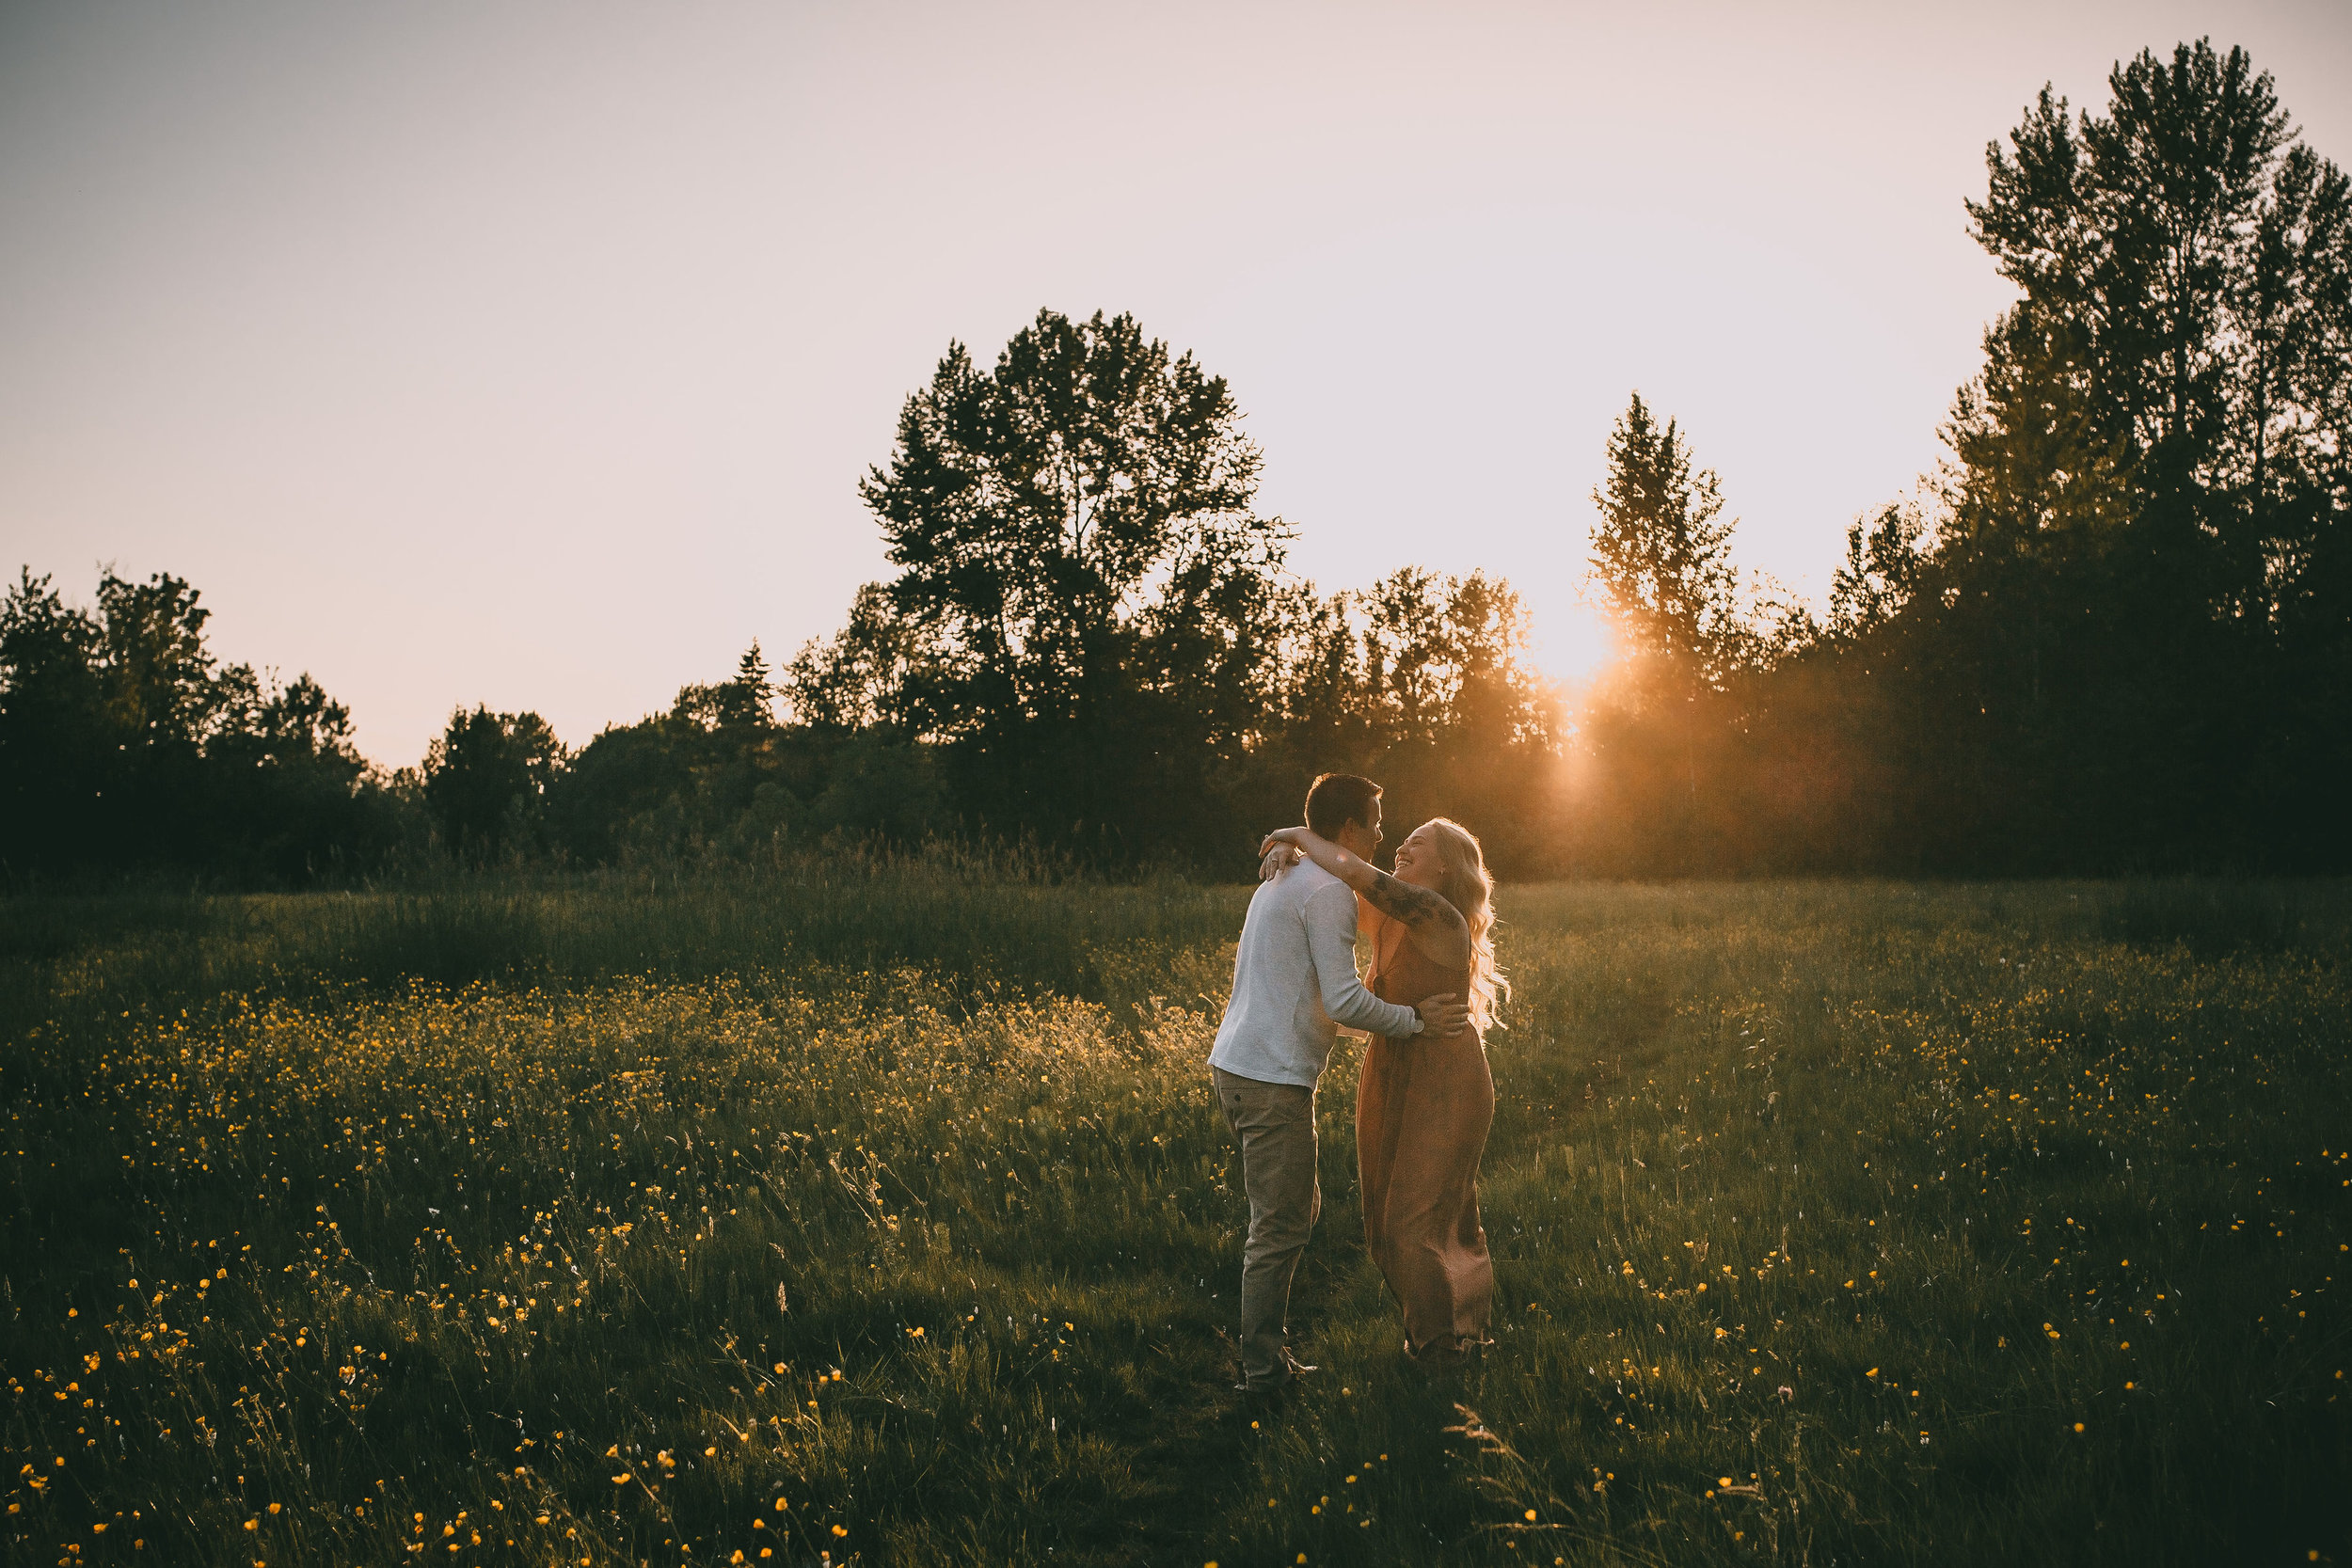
(1274, 1124)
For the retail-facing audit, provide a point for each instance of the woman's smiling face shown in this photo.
(1418, 861)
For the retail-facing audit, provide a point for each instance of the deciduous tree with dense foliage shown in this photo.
(487, 780)
(2133, 629)
(125, 745)
(1084, 612)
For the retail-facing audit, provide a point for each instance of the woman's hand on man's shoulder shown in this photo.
(1277, 859)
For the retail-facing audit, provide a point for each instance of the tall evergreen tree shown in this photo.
(1673, 730)
(1661, 552)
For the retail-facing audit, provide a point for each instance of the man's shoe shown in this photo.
(1261, 1399)
(1293, 1369)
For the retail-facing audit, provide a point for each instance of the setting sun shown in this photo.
(1573, 641)
(930, 741)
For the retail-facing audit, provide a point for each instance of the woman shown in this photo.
(1424, 1105)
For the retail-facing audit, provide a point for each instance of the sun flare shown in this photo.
(1573, 641)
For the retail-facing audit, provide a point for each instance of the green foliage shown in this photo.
(1661, 552)
(2134, 590)
(487, 780)
(124, 746)
(2117, 635)
(1421, 683)
(1081, 612)
(1856, 1223)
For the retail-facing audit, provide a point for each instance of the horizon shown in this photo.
(566, 340)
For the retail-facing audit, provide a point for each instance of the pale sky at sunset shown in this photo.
(530, 354)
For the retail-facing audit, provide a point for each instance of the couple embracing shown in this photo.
(1424, 1099)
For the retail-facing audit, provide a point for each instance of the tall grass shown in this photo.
(980, 922)
(880, 1213)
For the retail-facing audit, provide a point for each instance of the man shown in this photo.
(1294, 983)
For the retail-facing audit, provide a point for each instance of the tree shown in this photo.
(287, 797)
(159, 673)
(1422, 682)
(1084, 600)
(1417, 662)
(1874, 583)
(879, 668)
(486, 779)
(2150, 469)
(716, 774)
(1662, 554)
(124, 745)
(740, 708)
(58, 751)
(1673, 731)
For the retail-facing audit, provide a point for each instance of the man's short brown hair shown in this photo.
(1338, 799)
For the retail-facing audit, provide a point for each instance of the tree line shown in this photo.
(2113, 633)
(2116, 632)
(126, 746)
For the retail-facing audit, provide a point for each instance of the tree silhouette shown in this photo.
(1661, 552)
(1084, 593)
(1875, 582)
(124, 745)
(2117, 629)
(487, 780)
(1421, 681)
(2113, 633)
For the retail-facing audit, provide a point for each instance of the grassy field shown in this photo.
(882, 1214)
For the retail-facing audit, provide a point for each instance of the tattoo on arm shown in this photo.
(1416, 906)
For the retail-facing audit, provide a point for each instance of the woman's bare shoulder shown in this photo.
(1437, 927)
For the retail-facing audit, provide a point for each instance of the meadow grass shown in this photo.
(880, 1212)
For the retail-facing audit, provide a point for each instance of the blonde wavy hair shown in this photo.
(1469, 887)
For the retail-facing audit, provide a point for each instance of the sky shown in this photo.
(530, 354)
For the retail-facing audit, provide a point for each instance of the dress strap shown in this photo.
(1385, 945)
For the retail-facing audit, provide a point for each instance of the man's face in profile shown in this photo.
(1363, 839)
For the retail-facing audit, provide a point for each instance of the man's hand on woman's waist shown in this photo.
(1442, 1017)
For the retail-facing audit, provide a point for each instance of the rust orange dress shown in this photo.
(1422, 1109)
